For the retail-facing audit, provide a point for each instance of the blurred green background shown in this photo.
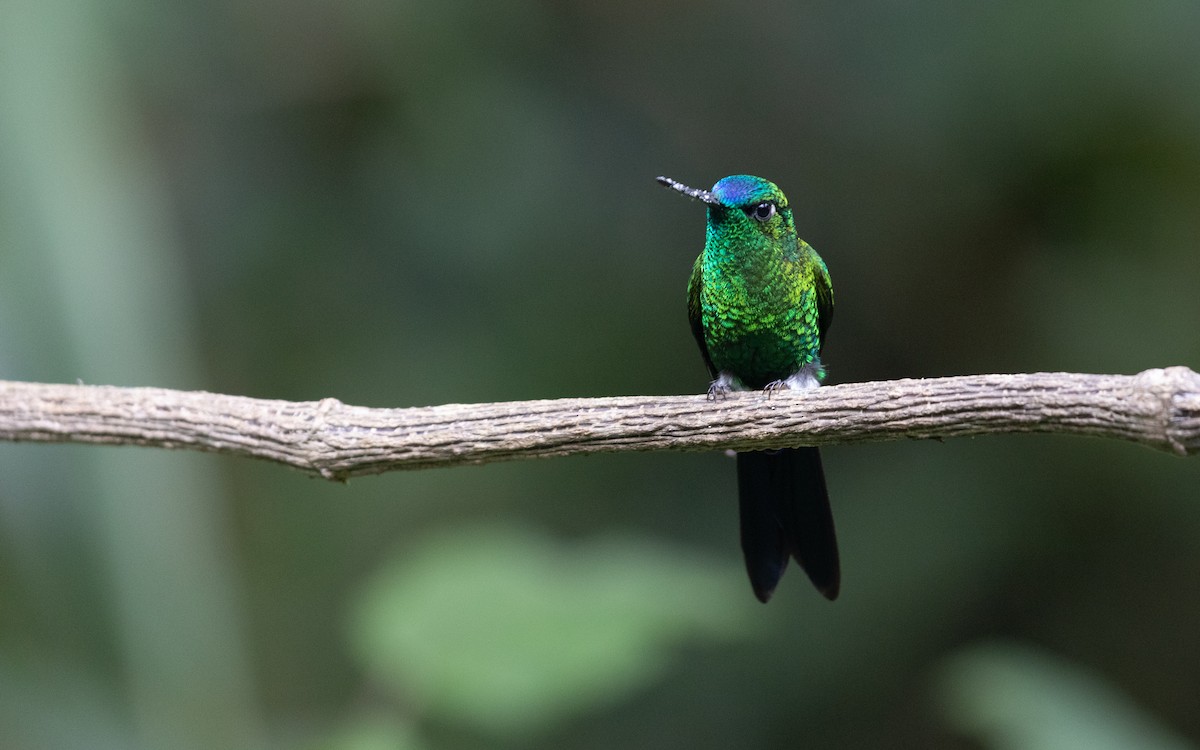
(408, 203)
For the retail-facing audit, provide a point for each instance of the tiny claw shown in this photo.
(718, 390)
(776, 385)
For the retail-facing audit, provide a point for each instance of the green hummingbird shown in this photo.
(760, 302)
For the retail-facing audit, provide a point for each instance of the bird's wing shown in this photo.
(824, 296)
(695, 316)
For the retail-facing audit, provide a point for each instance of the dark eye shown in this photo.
(762, 211)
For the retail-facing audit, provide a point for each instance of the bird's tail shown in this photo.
(785, 512)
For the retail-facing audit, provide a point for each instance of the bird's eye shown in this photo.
(762, 211)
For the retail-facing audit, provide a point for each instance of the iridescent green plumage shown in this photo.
(760, 302)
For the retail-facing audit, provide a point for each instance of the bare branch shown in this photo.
(1159, 408)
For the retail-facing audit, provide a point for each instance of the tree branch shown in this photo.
(1157, 408)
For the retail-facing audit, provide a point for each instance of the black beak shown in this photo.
(691, 192)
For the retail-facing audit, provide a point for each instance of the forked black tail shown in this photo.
(785, 512)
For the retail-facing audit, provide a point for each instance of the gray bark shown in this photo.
(1159, 408)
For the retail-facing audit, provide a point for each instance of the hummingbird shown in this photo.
(760, 302)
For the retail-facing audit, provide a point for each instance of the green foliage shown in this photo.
(373, 733)
(403, 203)
(509, 631)
(1016, 698)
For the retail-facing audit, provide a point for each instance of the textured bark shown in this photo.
(1159, 408)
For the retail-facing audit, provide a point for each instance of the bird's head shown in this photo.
(743, 203)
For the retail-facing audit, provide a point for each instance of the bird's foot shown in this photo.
(718, 390)
(776, 385)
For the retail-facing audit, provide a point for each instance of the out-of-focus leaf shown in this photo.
(370, 733)
(508, 630)
(50, 702)
(1014, 698)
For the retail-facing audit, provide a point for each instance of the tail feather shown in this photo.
(784, 511)
(763, 545)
